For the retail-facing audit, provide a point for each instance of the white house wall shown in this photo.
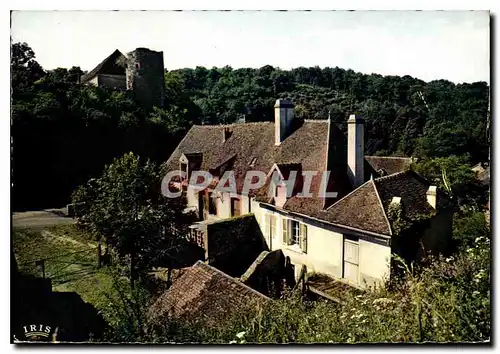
(374, 263)
(325, 251)
(324, 247)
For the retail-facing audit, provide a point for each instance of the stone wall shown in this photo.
(233, 244)
(145, 77)
(112, 81)
(266, 273)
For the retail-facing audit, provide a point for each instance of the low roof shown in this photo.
(205, 295)
(330, 288)
(367, 207)
(388, 164)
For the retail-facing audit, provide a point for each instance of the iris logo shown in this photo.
(36, 331)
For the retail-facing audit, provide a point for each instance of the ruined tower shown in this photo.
(145, 77)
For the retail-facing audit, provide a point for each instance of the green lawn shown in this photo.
(71, 262)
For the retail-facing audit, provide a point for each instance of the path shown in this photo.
(40, 219)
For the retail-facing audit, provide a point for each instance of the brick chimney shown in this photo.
(355, 150)
(283, 117)
(432, 196)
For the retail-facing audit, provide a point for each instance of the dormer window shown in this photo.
(189, 163)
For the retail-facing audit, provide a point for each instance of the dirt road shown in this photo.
(40, 219)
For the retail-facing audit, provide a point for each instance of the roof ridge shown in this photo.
(390, 157)
(391, 176)
(220, 272)
(382, 206)
(231, 124)
(315, 120)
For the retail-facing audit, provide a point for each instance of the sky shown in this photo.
(429, 45)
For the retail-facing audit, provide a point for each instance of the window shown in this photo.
(351, 259)
(294, 233)
(295, 237)
(137, 66)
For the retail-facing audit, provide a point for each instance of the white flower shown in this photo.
(232, 342)
(240, 335)
(475, 293)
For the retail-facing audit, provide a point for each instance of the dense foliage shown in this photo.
(404, 115)
(126, 207)
(447, 301)
(64, 133)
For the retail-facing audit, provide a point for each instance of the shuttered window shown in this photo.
(303, 237)
(351, 260)
(294, 233)
(284, 231)
(272, 225)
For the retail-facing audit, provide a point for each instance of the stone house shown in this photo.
(140, 71)
(349, 236)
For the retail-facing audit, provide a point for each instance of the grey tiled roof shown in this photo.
(204, 295)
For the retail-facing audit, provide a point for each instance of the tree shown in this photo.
(25, 70)
(126, 207)
(454, 173)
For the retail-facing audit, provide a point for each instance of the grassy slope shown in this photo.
(71, 263)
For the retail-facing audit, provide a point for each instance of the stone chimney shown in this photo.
(226, 133)
(355, 150)
(432, 196)
(283, 117)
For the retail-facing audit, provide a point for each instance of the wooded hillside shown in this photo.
(64, 133)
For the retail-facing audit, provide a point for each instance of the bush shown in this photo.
(447, 301)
